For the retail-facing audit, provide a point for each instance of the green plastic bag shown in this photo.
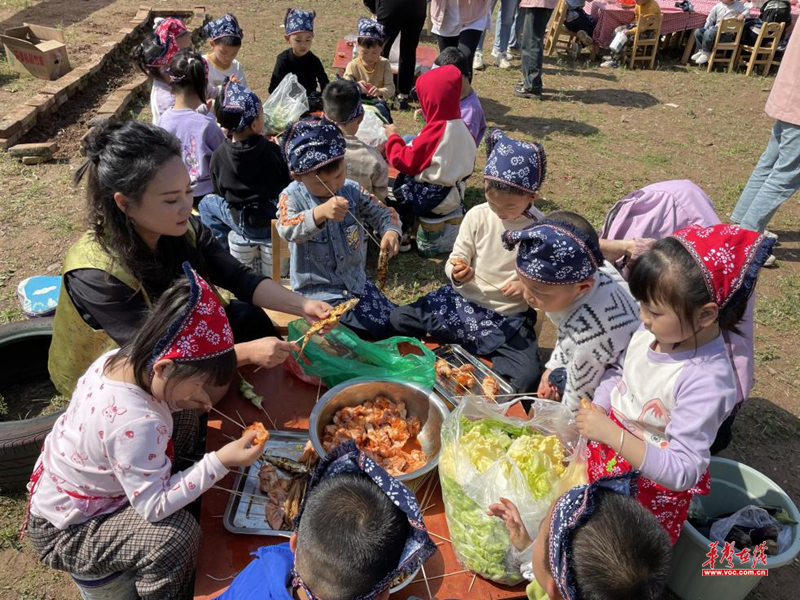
(341, 355)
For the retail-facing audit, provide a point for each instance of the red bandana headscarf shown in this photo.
(728, 255)
(201, 331)
(167, 33)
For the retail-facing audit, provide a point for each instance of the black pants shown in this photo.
(249, 322)
(517, 361)
(534, 26)
(406, 22)
(467, 41)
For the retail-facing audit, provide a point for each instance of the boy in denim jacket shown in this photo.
(323, 216)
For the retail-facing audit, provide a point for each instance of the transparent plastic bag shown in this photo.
(342, 355)
(286, 104)
(487, 455)
(371, 130)
(747, 518)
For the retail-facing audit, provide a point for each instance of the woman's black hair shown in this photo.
(506, 188)
(667, 274)
(216, 370)
(229, 40)
(370, 42)
(187, 71)
(145, 52)
(124, 157)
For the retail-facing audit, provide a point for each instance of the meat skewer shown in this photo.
(333, 318)
(490, 387)
(383, 268)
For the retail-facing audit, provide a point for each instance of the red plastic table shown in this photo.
(223, 554)
(344, 54)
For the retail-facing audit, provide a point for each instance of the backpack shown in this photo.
(657, 211)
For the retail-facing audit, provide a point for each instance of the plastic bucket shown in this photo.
(256, 255)
(733, 486)
(117, 586)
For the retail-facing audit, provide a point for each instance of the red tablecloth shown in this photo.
(344, 54)
(223, 554)
(609, 15)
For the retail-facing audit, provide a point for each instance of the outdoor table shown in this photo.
(344, 54)
(609, 15)
(289, 402)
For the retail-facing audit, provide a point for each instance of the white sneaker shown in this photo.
(574, 50)
(696, 55)
(610, 64)
(509, 56)
(770, 262)
(703, 58)
(495, 53)
(502, 62)
(769, 235)
(477, 61)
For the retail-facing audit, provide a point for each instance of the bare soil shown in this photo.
(606, 134)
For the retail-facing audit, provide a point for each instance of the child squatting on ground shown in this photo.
(248, 171)
(324, 218)
(483, 308)
(358, 530)
(371, 71)
(199, 133)
(298, 58)
(471, 109)
(563, 273)
(585, 548)
(224, 40)
(676, 390)
(105, 495)
(365, 165)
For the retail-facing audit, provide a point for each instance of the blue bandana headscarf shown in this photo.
(311, 144)
(299, 21)
(240, 99)
(419, 547)
(554, 252)
(519, 164)
(572, 510)
(367, 28)
(225, 26)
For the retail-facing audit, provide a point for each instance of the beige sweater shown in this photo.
(480, 243)
(381, 76)
(366, 166)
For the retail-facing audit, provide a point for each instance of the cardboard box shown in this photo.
(36, 50)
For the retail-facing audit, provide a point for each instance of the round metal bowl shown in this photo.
(419, 403)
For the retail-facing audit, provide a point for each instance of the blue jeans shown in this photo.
(534, 26)
(216, 214)
(581, 22)
(705, 38)
(505, 31)
(774, 180)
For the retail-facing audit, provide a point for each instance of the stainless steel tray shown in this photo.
(457, 356)
(245, 514)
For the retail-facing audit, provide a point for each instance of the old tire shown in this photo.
(23, 356)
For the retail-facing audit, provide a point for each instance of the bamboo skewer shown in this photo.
(427, 585)
(240, 417)
(235, 493)
(441, 537)
(274, 425)
(503, 395)
(367, 231)
(442, 576)
(222, 414)
(474, 577)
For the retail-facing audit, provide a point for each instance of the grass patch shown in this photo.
(779, 310)
(11, 314)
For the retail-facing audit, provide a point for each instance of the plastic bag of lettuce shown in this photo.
(487, 455)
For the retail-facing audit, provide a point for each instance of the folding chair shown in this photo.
(646, 26)
(558, 37)
(763, 51)
(726, 52)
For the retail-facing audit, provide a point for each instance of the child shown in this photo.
(102, 497)
(581, 24)
(642, 9)
(435, 166)
(365, 165)
(563, 273)
(324, 218)
(483, 309)
(595, 542)
(225, 40)
(358, 530)
(677, 384)
(248, 171)
(199, 133)
(706, 36)
(471, 109)
(298, 58)
(153, 56)
(371, 71)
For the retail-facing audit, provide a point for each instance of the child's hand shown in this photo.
(514, 290)
(462, 273)
(546, 389)
(390, 130)
(418, 116)
(335, 209)
(593, 424)
(241, 452)
(391, 243)
(506, 510)
(363, 86)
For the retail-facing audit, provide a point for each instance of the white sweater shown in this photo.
(722, 11)
(592, 334)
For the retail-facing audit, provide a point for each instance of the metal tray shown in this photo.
(245, 514)
(457, 356)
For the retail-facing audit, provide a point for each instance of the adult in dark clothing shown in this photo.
(406, 19)
(460, 24)
(140, 204)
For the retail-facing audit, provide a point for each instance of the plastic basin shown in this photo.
(733, 486)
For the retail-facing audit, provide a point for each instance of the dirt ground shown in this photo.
(606, 134)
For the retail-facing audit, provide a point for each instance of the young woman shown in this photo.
(142, 230)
